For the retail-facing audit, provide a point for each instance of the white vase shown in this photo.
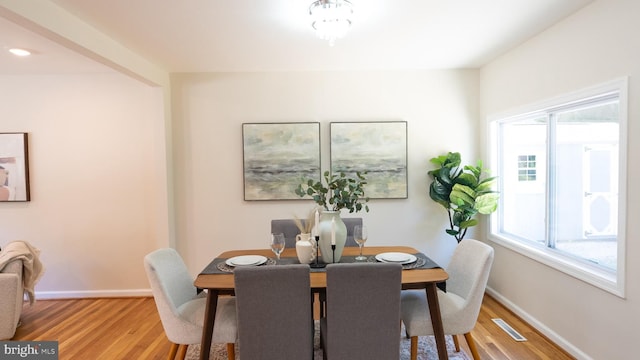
(305, 248)
(327, 221)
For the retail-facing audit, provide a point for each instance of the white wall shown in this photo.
(593, 46)
(130, 215)
(96, 171)
(209, 109)
(96, 145)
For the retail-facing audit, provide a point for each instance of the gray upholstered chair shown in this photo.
(290, 230)
(350, 223)
(468, 274)
(363, 311)
(274, 307)
(181, 309)
(11, 298)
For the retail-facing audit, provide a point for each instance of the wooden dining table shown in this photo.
(222, 283)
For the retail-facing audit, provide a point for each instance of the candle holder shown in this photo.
(316, 264)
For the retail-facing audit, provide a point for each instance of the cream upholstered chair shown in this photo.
(363, 311)
(11, 298)
(181, 309)
(275, 320)
(468, 274)
(20, 270)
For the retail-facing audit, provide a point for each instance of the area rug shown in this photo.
(426, 349)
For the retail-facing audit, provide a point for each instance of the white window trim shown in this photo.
(608, 281)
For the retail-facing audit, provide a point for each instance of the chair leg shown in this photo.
(172, 351)
(231, 351)
(182, 351)
(323, 303)
(414, 348)
(455, 342)
(472, 346)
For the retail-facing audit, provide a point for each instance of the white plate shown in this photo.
(396, 257)
(246, 260)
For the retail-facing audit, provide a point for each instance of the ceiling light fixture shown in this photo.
(331, 18)
(20, 52)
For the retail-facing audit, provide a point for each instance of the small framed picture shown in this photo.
(14, 167)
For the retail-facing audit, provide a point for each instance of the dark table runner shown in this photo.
(218, 265)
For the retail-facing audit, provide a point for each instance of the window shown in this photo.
(527, 168)
(560, 166)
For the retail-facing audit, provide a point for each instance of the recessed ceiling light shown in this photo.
(20, 52)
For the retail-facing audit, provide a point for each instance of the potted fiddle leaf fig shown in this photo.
(462, 191)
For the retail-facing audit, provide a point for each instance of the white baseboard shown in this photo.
(538, 325)
(49, 295)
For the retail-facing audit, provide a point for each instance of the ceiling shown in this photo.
(275, 35)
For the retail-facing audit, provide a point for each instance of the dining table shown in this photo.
(217, 279)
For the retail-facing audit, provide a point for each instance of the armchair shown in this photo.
(11, 298)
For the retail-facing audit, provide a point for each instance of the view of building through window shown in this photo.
(559, 172)
(527, 168)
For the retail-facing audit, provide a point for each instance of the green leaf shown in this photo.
(439, 160)
(452, 232)
(453, 159)
(487, 203)
(467, 179)
(439, 193)
(444, 177)
(486, 184)
(462, 195)
(468, 223)
(476, 171)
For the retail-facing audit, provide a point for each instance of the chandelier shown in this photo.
(331, 18)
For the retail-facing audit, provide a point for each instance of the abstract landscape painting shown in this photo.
(379, 148)
(277, 156)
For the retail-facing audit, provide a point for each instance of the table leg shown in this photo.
(207, 328)
(436, 320)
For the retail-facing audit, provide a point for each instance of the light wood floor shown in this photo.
(130, 328)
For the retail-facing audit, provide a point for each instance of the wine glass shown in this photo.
(277, 244)
(360, 236)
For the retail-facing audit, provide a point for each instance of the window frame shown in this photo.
(610, 281)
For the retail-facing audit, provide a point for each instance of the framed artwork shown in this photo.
(379, 148)
(277, 157)
(14, 167)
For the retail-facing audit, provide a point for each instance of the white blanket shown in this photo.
(32, 268)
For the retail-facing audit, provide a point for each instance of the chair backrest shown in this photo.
(363, 311)
(468, 274)
(350, 223)
(290, 230)
(172, 287)
(274, 308)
